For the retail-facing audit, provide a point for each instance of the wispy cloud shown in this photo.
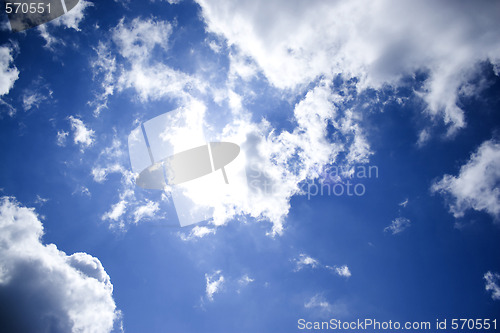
(404, 203)
(398, 225)
(61, 138)
(215, 282)
(146, 211)
(319, 304)
(304, 261)
(196, 232)
(493, 284)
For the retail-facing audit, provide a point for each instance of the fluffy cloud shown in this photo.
(81, 134)
(8, 72)
(43, 289)
(278, 162)
(282, 159)
(493, 284)
(476, 186)
(398, 225)
(137, 39)
(294, 42)
(116, 212)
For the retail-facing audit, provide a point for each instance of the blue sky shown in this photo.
(409, 91)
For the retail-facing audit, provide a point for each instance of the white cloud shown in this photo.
(245, 280)
(61, 138)
(11, 111)
(398, 225)
(196, 233)
(104, 68)
(74, 17)
(33, 100)
(146, 211)
(343, 271)
(100, 173)
(318, 301)
(323, 308)
(8, 71)
(423, 137)
(493, 284)
(294, 42)
(284, 159)
(50, 40)
(82, 190)
(137, 69)
(116, 212)
(280, 161)
(40, 200)
(214, 284)
(47, 290)
(304, 260)
(81, 134)
(130, 208)
(136, 40)
(476, 186)
(153, 82)
(70, 20)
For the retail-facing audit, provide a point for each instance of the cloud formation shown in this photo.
(82, 136)
(476, 185)
(295, 42)
(43, 289)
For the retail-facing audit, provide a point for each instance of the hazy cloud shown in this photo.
(215, 282)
